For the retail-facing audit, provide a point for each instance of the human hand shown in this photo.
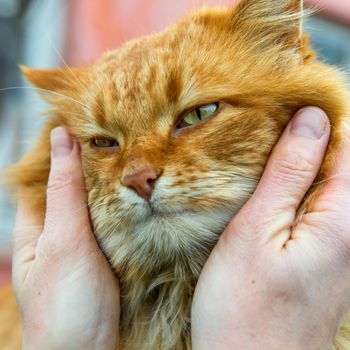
(267, 284)
(66, 291)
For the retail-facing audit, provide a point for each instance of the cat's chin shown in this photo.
(161, 231)
(163, 235)
(156, 214)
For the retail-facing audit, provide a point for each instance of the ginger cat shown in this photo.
(175, 130)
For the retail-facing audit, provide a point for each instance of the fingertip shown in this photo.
(65, 192)
(62, 144)
(310, 123)
(295, 160)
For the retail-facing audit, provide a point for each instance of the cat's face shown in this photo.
(160, 179)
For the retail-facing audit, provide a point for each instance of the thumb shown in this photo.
(66, 207)
(291, 169)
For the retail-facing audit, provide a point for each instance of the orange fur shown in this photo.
(254, 62)
(10, 329)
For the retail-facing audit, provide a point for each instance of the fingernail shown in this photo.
(309, 122)
(61, 142)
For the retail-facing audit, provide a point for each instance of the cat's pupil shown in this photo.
(199, 114)
(207, 111)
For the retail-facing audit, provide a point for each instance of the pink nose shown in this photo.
(141, 181)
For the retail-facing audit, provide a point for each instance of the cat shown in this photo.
(175, 130)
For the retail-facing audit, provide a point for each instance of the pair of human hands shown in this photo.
(266, 285)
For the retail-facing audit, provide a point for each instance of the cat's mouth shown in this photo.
(158, 213)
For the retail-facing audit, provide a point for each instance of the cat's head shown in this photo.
(175, 128)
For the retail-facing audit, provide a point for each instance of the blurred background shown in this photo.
(51, 33)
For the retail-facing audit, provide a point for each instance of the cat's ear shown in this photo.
(268, 23)
(53, 84)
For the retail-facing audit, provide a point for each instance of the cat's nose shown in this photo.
(141, 181)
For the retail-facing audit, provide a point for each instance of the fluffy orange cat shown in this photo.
(175, 130)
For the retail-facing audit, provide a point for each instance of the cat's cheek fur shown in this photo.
(252, 58)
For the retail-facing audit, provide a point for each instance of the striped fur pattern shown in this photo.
(253, 61)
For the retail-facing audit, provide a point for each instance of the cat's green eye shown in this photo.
(198, 115)
(105, 143)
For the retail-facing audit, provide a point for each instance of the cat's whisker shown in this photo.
(226, 176)
(81, 208)
(330, 178)
(203, 183)
(75, 113)
(76, 78)
(43, 90)
(215, 183)
(112, 228)
(225, 188)
(109, 230)
(80, 82)
(99, 201)
(92, 204)
(97, 206)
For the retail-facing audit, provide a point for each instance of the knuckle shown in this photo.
(293, 165)
(24, 235)
(61, 179)
(18, 241)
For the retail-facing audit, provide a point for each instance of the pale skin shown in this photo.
(265, 286)
(65, 288)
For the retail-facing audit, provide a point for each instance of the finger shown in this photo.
(66, 207)
(292, 167)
